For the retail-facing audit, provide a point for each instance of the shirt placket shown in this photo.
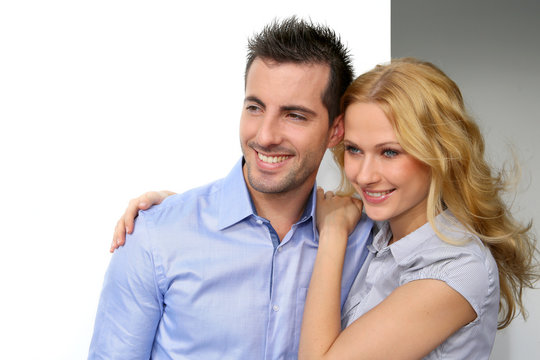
(280, 309)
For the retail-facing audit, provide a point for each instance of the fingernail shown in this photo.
(118, 241)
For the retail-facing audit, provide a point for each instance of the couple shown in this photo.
(222, 271)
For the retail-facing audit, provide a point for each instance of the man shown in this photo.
(222, 271)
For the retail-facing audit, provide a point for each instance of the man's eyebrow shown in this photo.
(283, 108)
(255, 100)
(298, 108)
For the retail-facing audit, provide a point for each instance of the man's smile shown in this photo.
(272, 159)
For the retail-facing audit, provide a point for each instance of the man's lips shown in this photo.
(272, 159)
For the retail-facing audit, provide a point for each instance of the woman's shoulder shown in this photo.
(460, 259)
(449, 240)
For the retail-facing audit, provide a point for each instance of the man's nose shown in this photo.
(270, 132)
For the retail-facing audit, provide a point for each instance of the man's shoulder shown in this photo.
(208, 191)
(187, 201)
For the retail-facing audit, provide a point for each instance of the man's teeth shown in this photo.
(378, 194)
(271, 159)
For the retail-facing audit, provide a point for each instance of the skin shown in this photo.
(376, 164)
(407, 324)
(283, 140)
(284, 132)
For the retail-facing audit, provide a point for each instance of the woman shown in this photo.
(448, 244)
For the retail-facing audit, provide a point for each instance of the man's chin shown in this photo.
(268, 188)
(270, 181)
(262, 184)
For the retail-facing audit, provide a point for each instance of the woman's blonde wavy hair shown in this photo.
(428, 115)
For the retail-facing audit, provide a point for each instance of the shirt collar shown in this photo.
(235, 202)
(381, 239)
(406, 246)
(309, 212)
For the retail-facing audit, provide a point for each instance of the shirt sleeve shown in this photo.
(130, 306)
(463, 271)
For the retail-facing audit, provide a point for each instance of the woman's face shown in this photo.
(393, 185)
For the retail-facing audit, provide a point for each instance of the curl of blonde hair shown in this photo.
(427, 113)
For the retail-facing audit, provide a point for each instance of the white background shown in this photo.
(101, 101)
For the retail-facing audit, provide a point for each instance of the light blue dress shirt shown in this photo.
(203, 277)
(468, 268)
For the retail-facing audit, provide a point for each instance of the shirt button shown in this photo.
(280, 249)
(275, 308)
(259, 221)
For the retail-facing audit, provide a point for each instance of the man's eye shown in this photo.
(295, 116)
(253, 108)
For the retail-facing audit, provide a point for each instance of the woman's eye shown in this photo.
(352, 149)
(390, 153)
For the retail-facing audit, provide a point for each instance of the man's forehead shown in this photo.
(270, 78)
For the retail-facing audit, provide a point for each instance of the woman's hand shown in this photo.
(340, 212)
(126, 222)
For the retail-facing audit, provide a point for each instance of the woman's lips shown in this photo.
(376, 197)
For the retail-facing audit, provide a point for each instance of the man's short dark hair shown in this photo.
(294, 40)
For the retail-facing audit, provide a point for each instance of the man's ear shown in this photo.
(336, 131)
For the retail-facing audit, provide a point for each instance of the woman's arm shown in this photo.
(336, 218)
(408, 324)
(126, 221)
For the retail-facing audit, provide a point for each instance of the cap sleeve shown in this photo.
(465, 271)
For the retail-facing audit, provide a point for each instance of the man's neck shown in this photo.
(283, 210)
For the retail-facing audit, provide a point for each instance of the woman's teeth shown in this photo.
(378, 194)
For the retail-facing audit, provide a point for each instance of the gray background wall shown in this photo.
(492, 50)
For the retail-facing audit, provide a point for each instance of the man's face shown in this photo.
(284, 129)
